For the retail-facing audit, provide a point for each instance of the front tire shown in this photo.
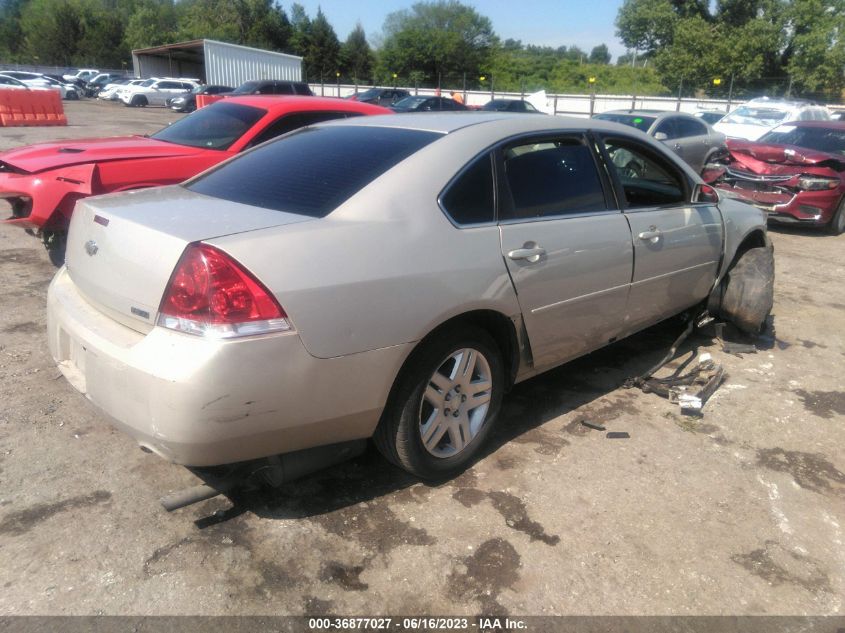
(445, 404)
(836, 226)
(748, 290)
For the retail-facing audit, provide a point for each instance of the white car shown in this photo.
(84, 74)
(37, 80)
(12, 83)
(758, 116)
(156, 91)
(112, 91)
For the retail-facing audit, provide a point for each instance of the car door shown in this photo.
(694, 138)
(566, 247)
(677, 243)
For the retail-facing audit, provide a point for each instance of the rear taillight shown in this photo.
(211, 295)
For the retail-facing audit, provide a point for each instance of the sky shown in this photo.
(584, 23)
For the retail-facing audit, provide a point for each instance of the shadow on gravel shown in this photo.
(370, 478)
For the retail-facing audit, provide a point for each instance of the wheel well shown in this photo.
(496, 324)
(755, 239)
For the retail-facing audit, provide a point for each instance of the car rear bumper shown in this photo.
(204, 402)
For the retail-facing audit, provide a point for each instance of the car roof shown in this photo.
(505, 123)
(299, 103)
(831, 124)
(656, 114)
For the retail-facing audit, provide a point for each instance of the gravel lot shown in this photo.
(739, 512)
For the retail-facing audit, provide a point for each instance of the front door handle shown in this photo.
(652, 235)
(531, 255)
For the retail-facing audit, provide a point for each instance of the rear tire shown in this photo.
(836, 226)
(444, 405)
(748, 290)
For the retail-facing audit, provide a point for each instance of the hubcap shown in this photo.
(455, 402)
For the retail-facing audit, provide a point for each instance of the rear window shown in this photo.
(642, 123)
(313, 171)
(215, 127)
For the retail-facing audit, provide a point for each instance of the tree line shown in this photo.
(788, 47)
(675, 45)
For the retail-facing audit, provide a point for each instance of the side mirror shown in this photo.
(706, 193)
(661, 136)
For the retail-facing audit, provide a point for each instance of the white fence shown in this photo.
(571, 105)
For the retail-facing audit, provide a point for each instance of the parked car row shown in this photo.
(16, 79)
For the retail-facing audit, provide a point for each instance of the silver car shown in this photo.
(688, 136)
(388, 277)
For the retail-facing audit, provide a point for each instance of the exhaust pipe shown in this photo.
(273, 471)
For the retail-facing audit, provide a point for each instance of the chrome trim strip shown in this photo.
(574, 299)
(674, 272)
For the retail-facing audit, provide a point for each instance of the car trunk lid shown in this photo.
(123, 248)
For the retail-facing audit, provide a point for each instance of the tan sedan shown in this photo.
(388, 277)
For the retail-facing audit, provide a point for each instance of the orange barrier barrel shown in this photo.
(204, 100)
(20, 108)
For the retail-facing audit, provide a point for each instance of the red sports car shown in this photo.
(43, 182)
(796, 173)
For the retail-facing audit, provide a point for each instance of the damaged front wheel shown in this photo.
(746, 294)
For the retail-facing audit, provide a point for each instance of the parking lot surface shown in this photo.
(738, 512)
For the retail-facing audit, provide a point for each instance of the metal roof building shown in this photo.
(215, 63)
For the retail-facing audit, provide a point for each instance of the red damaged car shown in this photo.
(796, 173)
(42, 182)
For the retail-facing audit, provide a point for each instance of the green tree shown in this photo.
(355, 55)
(322, 59)
(646, 25)
(600, 55)
(442, 39)
(817, 48)
(152, 23)
(300, 40)
(11, 35)
(51, 31)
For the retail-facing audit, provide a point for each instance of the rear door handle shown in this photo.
(531, 255)
(652, 235)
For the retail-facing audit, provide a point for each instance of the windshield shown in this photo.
(748, 115)
(313, 171)
(369, 94)
(246, 88)
(409, 103)
(642, 123)
(214, 127)
(828, 140)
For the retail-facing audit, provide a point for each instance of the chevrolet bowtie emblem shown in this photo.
(91, 247)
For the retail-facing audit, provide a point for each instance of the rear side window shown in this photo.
(690, 127)
(313, 171)
(551, 179)
(469, 199)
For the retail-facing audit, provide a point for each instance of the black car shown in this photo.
(510, 105)
(99, 82)
(427, 104)
(381, 96)
(273, 87)
(188, 102)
